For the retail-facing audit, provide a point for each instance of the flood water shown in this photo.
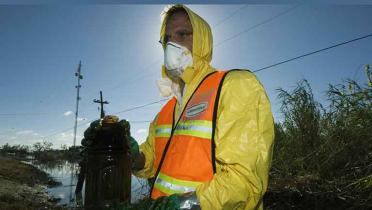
(66, 173)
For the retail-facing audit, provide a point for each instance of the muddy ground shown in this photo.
(23, 186)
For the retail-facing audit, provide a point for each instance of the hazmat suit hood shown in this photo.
(202, 47)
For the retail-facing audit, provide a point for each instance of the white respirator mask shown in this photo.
(176, 59)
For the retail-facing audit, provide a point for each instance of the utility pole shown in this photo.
(78, 86)
(101, 102)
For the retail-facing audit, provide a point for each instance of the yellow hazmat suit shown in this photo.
(244, 133)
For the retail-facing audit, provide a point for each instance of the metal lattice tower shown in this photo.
(78, 86)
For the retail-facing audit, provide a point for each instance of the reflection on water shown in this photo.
(66, 173)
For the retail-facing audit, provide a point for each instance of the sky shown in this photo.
(41, 46)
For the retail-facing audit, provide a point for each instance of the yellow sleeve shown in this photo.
(244, 142)
(147, 148)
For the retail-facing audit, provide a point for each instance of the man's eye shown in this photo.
(183, 33)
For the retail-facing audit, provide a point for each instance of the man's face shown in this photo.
(179, 30)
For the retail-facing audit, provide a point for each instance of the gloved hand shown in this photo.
(137, 158)
(185, 201)
(132, 143)
(171, 202)
(90, 133)
(133, 147)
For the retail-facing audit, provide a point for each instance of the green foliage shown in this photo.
(300, 131)
(331, 147)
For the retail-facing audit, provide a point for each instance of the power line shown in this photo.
(257, 25)
(141, 106)
(59, 132)
(314, 52)
(125, 110)
(229, 16)
(131, 80)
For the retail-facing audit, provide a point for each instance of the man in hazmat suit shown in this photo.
(210, 146)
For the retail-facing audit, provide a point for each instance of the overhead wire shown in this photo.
(119, 112)
(314, 52)
(257, 25)
(141, 76)
(229, 16)
(141, 106)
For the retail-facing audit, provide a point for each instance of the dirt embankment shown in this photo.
(23, 186)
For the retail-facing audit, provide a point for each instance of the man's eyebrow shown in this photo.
(184, 28)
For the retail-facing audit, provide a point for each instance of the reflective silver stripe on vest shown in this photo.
(159, 131)
(173, 187)
(195, 128)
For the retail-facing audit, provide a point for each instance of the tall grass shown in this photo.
(331, 147)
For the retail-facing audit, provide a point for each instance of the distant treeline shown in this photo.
(42, 151)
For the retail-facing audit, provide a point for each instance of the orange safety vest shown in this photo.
(184, 150)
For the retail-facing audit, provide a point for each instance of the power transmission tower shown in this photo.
(101, 102)
(78, 86)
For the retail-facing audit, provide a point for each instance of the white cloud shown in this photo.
(65, 138)
(68, 113)
(24, 132)
(66, 135)
(23, 137)
(81, 119)
(29, 137)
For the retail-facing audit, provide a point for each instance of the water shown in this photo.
(66, 173)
